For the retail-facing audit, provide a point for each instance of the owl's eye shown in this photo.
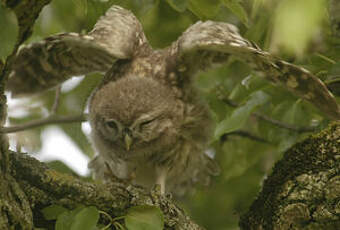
(146, 123)
(112, 126)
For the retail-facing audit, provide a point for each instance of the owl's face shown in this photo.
(135, 116)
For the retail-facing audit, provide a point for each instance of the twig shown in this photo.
(56, 100)
(54, 119)
(284, 125)
(244, 134)
(277, 123)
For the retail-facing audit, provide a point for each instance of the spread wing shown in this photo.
(209, 42)
(45, 64)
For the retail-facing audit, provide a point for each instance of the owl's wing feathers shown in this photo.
(119, 31)
(45, 64)
(217, 40)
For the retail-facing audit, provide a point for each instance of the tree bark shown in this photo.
(42, 187)
(15, 212)
(303, 192)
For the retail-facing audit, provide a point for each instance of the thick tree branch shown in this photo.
(303, 192)
(44, 186)
(15, 212)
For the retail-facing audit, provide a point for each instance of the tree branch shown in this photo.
(53, 119)
(15, 212)
(283, 125)
(44, 186)
(304, 189)
(245, 134)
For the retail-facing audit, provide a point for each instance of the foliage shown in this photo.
(292, 29)
(144, 218)
(141, 217)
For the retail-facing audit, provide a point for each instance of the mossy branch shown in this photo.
(44, 186)
(303, 192)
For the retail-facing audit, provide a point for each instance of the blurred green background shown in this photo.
(298, 31)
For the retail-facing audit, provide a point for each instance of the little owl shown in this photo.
(148, 125)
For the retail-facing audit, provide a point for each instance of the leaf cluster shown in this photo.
(141, 217)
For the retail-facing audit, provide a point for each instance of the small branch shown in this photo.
(56, 100)
(54, 119)
(268, 119)
(283, 125)
(244, 134)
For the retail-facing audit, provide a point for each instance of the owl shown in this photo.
(149, 125)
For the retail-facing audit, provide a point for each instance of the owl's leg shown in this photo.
(161, 178)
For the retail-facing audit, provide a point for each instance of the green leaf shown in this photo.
(236, 7)
(86, 219)
(65, 219)
(240, 115)
(248, 85)
(204, 9)
(81, 4)
(53, 211)
(178, 5)
(257, 4)
(144, 217)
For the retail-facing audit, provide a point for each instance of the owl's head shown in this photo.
(134, 116)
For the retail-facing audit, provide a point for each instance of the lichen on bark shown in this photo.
(44, 186)
(303, 191)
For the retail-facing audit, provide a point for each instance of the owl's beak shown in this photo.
(128, 141)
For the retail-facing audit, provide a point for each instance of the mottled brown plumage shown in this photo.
(168, 134)
(151, 102)
(148, 125)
